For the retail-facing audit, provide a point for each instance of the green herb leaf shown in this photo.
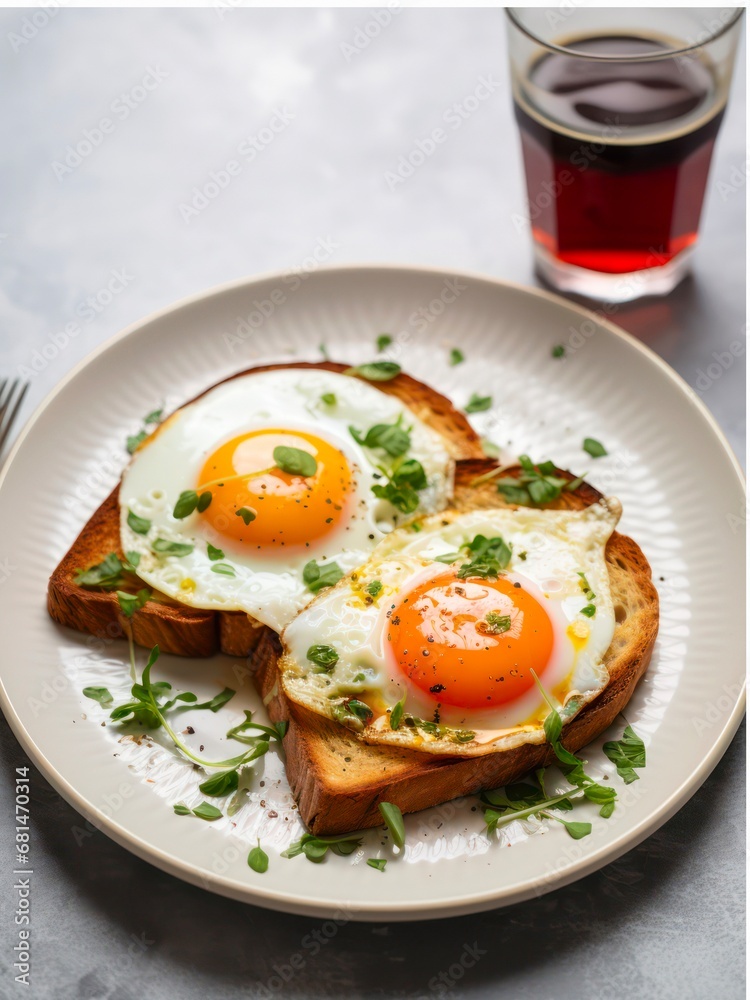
(553, 726)
(589, 610)
(316, 576)
(497, 623)
(275, 732)
(392, 438)
(576, 830)
(247, 514)
(257, 859)
(403, 498)
(376, 371)
(223, 783)
(329, 398)
(133, 440)
(477, 403)
(599, 793)
(543, 491)
(410, 472)
(181, 809)
(315, 848)
(490, 449)
(165, 548)
(294, 461)
(214, 553)
(377, 863)
(514, 493)
(360, 709)
(140, 525)
(558, 351)
(594, 448)
(374, 587)
(627, 754)
(208, 812)
(204, 501)
(586, 587)
(461, 735)
(447, 558)
(383, 341)
(131, 561)
(218, 700)
(537, 484)
(100, 694)
(130, 603)
(455, 357)
(394, 821)
(324, 657)
(186, 504)
(488, 557)
(223, 569)
(397, 713)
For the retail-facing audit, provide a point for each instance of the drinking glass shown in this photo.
(618, 111)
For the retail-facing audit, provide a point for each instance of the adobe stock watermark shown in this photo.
(365, 34)
(120, 110)
(722, 362)
(581, 158)
(716, 711)
(443, 984)
(7, 569)
(263, 309)
(310, 946)
(224, 7)
(555, 16)
(33, 23)
(86, 312)
(735, 181)
(454, 118)
(92, 485)
(247, 150)
(738, 521)
(573, 851)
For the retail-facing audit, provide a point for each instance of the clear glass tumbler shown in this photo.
(618, 110)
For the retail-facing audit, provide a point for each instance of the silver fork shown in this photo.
(11, 397)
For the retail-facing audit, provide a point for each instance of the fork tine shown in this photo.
(2, 393)
(6, 421)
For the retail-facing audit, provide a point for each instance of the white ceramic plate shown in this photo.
(668, 462)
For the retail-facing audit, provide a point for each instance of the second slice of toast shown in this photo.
(338, 780)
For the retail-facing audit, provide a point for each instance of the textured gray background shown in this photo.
(667, 920)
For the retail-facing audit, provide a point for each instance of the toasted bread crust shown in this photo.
(188, 631)
(338, 780)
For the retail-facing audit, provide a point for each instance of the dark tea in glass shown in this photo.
(617, 133)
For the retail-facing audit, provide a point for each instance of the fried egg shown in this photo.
(451, 637)
(248, 548)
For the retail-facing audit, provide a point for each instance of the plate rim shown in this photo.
(428, 909)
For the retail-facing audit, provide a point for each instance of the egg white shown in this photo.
(268, 586)
(550, 548)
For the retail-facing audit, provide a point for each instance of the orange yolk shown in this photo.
(289, 509)
(442, 640)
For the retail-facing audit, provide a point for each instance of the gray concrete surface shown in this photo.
(109, 240)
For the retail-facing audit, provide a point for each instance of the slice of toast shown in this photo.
(188, 631)
(338, 780)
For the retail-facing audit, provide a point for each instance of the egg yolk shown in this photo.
(283, 509)
(470, 643)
